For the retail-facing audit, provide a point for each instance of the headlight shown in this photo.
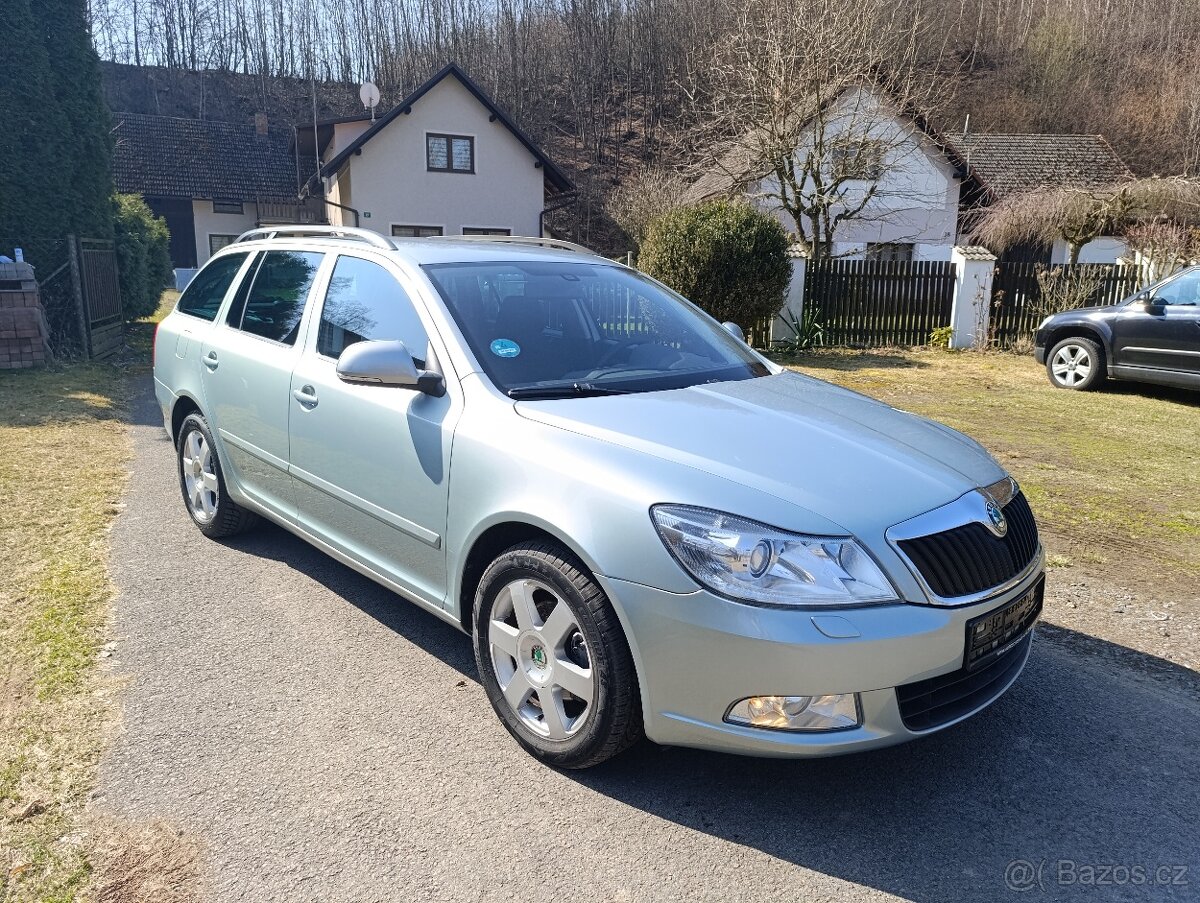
(746, 560)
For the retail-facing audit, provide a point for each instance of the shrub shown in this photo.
(143, 259)
(940, 337)
(727, 257)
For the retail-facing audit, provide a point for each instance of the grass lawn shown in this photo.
(1113, 476)
(63, 452)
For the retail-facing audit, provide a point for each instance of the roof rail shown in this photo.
(519, 240)
(346, 232)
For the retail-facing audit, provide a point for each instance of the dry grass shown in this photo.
(137, 863)
(1112, 475)
(63, 454)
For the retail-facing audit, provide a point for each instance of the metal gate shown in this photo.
(102, 325)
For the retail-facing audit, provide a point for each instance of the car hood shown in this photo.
(849, 459)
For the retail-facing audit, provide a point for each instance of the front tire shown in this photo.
(202, 483)
(553, 659)
(1076, 363)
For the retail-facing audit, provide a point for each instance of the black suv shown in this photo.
(1152, 337)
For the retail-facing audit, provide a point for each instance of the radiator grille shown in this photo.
(970, 559)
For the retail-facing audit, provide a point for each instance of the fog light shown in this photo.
(797, 713)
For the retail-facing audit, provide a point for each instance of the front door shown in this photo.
(247, 369)
(1169, 337)
(371, 464)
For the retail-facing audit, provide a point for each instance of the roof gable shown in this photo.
(734, 169)
(1008, 164)
(159, 156)
(553, 175)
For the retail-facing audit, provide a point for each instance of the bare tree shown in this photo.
(812, 103)
(644, 197)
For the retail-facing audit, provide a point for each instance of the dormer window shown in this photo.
(449, 153)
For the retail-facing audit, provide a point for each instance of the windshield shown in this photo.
(559, 329)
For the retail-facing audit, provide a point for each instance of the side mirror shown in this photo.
(387, 363)
(734, 330)
(1152, 305)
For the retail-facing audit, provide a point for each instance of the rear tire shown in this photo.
(202, 483)
(1076, 363)
(553, 658)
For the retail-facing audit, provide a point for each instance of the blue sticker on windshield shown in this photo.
(505, 348)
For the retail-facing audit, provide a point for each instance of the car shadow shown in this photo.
(1186, 397)
(1088, 761)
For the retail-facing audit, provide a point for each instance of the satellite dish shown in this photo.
(369, 95)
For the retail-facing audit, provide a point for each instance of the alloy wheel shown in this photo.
(541, 659)
(1072, 364)
(199, 476)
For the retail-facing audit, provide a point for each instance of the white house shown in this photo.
(444, 161)
(918, 190)
(909, 189)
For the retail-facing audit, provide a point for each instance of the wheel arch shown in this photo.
(184, 404)
(1091, 331)
(493, 539)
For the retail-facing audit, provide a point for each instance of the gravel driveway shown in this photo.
(326, 741)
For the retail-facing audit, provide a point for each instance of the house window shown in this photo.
(890, 251)
(857, 158)
(227, 207)
(416, 231)
(449, 153)
(485, 230)
(217, 242)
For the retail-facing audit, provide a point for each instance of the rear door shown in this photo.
(371, 464)
(1168, 339)
(247, 364)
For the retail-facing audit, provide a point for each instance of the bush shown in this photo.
(727, 257)
(143, 259)
(940, 337)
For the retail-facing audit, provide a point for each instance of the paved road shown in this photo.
(327, 741)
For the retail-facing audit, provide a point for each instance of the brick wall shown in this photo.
(22, 337)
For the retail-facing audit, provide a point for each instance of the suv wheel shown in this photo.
(203, 484)
(1076, 364)
(553, 658)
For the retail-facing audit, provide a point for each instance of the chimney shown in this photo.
(260, 123)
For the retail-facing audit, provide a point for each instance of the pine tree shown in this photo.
(33, 170)
(87, 144)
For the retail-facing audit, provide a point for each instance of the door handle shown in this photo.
(306, 395)
(210, 360)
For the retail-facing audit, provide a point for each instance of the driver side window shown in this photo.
(1183, 290)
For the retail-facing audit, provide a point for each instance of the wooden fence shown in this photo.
(1018, 305)
(867, 303)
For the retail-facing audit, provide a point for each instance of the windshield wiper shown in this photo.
(564, 390)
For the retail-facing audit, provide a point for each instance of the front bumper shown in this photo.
(697, 653)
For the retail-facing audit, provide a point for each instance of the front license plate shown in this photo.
(991, 635)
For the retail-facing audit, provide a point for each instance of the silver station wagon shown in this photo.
(645, 526)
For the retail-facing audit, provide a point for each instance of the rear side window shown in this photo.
(364, 301)
(203, 296)
(274, 305)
